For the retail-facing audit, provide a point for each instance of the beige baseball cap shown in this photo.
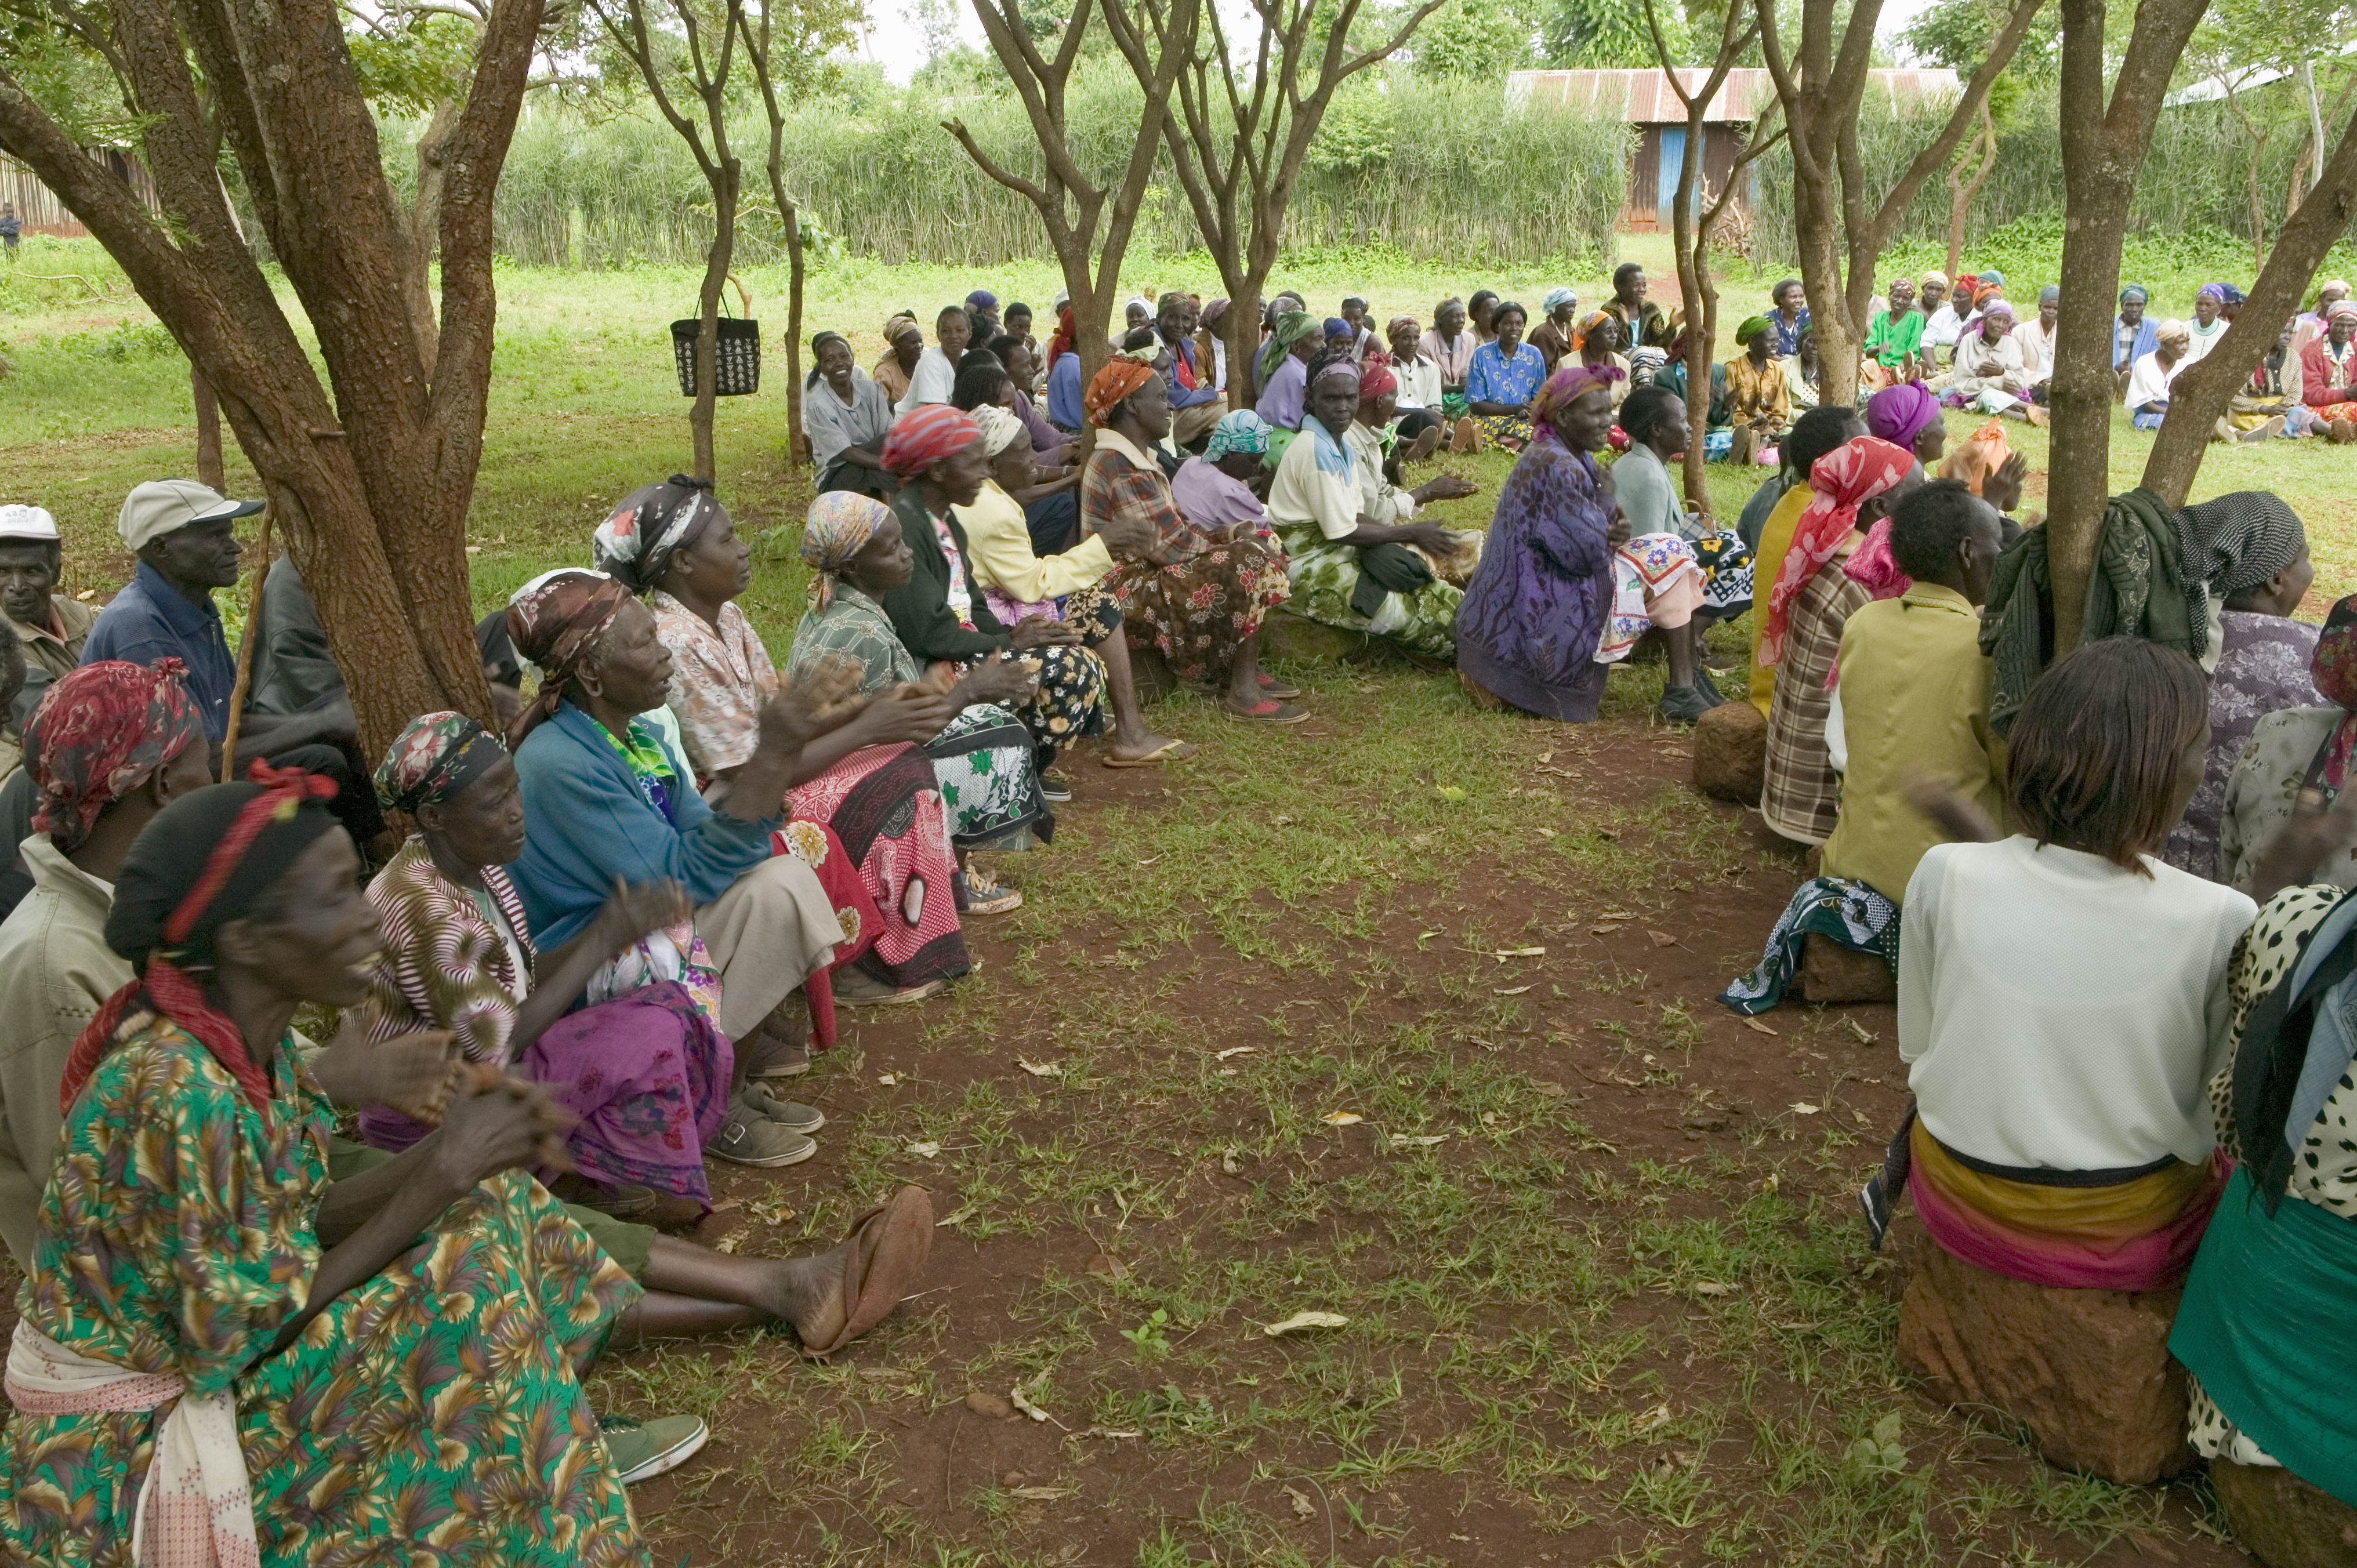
(165, 506)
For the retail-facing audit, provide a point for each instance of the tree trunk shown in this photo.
(724, 191)
(424, 228)
(1702, 335)
(209, 471)
(2104, 136)
(2201, 394)
(2315, 117)
(1961, 195)
(371, 490)
(797, 447)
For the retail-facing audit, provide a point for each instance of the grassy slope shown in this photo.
(1577, 1334)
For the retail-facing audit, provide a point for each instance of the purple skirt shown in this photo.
(648, 1075)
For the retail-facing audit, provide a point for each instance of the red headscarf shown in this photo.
(1844, 479)
(1061, 343)
(926, 434)
(101, 732)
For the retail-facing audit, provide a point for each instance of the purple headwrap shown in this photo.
(1899, 414)
(2213, 291)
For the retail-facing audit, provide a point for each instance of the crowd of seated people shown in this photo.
(620, 922)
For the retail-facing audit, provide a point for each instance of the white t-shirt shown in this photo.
(1942, 325)
(2202, 343)
(2148, 380)
(2058, 1013)
(932, 381)
(2037, 349)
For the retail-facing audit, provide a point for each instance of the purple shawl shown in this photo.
(1531, 619)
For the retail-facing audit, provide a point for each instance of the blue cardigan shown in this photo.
(587, 822)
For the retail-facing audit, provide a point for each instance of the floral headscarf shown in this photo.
(837, 527)
(1111, 387)
(1588, 324)
(927, 434)
(1243, 431)
(2334, 670)
(1567, 383)
(102, 730)
(649, 526)
(553, 623)
(1844, 479)
(434, 758)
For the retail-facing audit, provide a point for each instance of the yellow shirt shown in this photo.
(1914, 692)
(998, 553)
(1775, 542)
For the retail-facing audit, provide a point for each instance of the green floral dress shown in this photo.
(434, 1409)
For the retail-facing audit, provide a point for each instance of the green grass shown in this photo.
(1616, 1312)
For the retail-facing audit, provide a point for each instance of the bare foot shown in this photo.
(807, 1293)
(1146, 745)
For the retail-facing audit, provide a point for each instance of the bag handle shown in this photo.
(744, 300)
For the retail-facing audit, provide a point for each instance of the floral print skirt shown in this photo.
(1196, 612)
(989, 782)
(1325, 575)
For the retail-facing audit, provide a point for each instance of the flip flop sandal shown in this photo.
(1169, 751)
(1267, 711)
(887, 1256)
(1283, 691)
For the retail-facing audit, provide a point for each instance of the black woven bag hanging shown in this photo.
(736, 353)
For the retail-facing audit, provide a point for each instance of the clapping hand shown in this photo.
(2002, 490)
(824, 698)
(495, 1122)
(409, 1073)
(632, 911)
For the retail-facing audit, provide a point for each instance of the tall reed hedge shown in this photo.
(1441, 171)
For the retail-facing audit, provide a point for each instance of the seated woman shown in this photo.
(1050, 497)
(1717, 433)
(1563, 592)
(1894, 339)
(1799, 368)
(1355, 558)
(846, 421)
(1989, 375)
(935, 373)
(1558, 328)
(940, 618)
(1196, 596)
(1504, 378)
(2256, 567)
(1654, 421)
(1758, 410)
(882, 848)
(1283, 369)
(2296, 764)
(1071, 587)
(1422, 419)
(2150, 377)
(982, 755)
(606, 799)
(644, 1073)
(905, 345)
(1597, 344)
(1222, 488)
(1806, 605)
(1908, 414)
(1064, 377)
(2055, 1142)
(189, 1115)
(1049, 444)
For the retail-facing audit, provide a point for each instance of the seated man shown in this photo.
(184, 537)
(51, 626)
(605, 800)
(1912, 692)
(1195, 401)
(1342, 526)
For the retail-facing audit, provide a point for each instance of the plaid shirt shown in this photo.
(1121, 481)
(1801, 793)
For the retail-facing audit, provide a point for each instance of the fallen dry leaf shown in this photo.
(1344, 1118)
(1510, 991)
(989, 1405)
(1016, 1397)
(1662, 939)
(1109, 1432)
(1505, 953)
(1603, 930)
(1614, 915)
(964, 1213)
(1228, 1165)
(1712, 1287)
(1232, 1051)
(888, 1078)
(1111, 1267)
(1653, 1418)
(1302, 1507)
(1547, 833)
(1803, 1108)
(1042, 1494)
(925, 1151)
(1039, 1069)
(1404, 1141)
(1757, 1027)
(1866, 1037)
(1301, 1320)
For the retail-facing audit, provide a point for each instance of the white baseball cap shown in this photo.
(166, 506)
(18, 521)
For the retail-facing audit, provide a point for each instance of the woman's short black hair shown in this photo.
(1817, 432)
(1626, 271)
(1643, 413)
(1504, 308)
(1480, 295)
(1776, 294)
(2095, 753)
(1014, 310)
(999, 346)
(977, 385)
(1927, 527)
(1141, 338)
(978, 355)
(947, 311)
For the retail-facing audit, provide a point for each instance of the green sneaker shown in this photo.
(643, 1449)
(749, 1138)
(793, 1115)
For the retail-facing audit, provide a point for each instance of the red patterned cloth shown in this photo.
(103, 731)
(1844, 479)
(927, 434)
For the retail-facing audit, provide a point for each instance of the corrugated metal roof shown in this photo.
(1645, 97)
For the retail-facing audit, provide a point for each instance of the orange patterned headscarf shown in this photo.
(1978, 456)
(1112, 385)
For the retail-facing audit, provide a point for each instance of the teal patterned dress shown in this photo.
(982, 758)
(433, 1411)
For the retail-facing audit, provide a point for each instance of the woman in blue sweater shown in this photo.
(605, 802)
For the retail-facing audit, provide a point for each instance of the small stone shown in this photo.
(1110, 1267)
(1831, 972)
(2088, 1371)
(1730, 752)
(989, 1405)
(2281, 1519)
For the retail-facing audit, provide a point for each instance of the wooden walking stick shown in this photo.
(245, 652)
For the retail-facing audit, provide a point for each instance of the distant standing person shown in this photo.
(12, 228)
